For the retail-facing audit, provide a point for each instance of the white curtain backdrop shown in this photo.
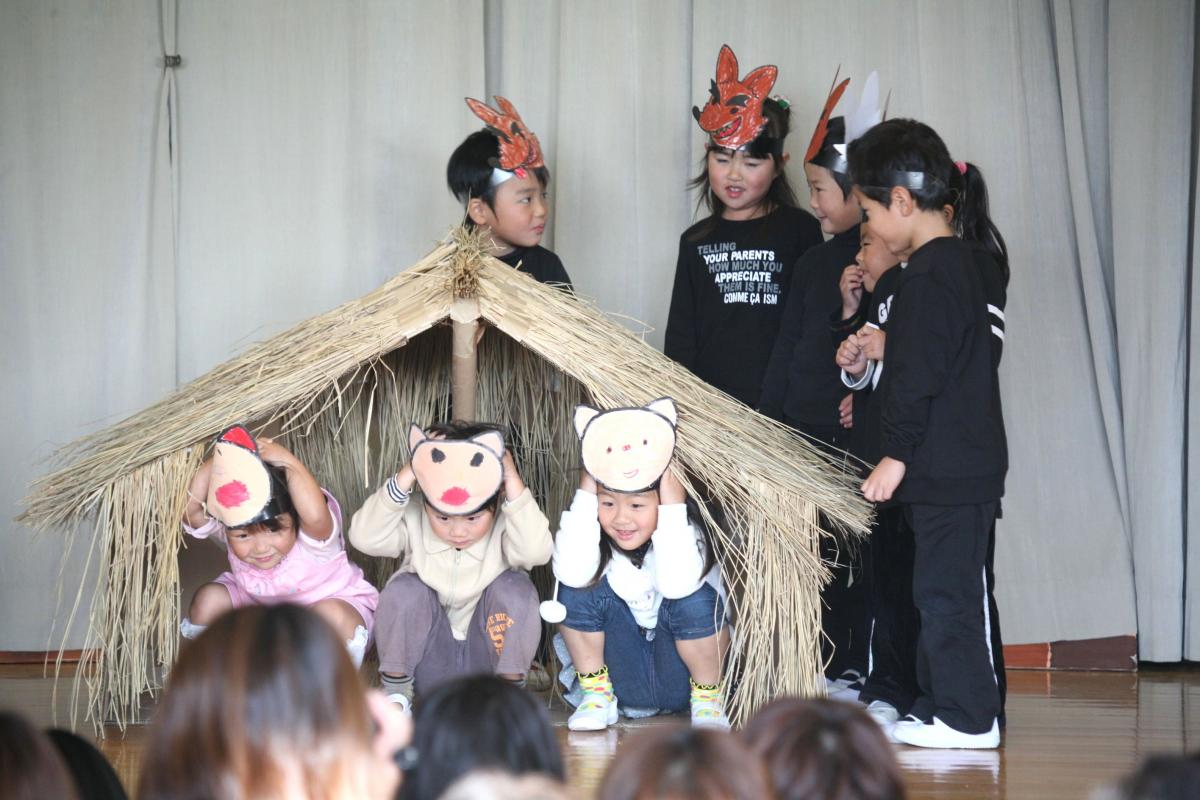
(307, 165)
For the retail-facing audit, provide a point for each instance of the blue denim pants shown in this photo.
(644, 666)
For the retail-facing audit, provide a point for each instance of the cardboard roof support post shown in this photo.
(464, 317)
(343, 388)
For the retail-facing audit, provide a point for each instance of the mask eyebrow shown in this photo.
(738, 100)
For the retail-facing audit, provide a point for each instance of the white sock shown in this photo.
(356, 645)
(189, 629)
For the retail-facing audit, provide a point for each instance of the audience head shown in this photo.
(30, 767)
(1158, 778)
(94, 777)
(479, 722)
(824, 748)
(267, 704)
(494, 785)
(679, 762)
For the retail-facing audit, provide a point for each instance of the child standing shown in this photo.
(461, 601)
(283, 533)
(645, 619)
(802, 387)
(943, 444)
(735, 266)
(499, 176)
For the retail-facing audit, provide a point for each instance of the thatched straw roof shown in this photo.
(343, 385)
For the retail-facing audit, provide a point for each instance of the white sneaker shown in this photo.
(595, 713)
(883, 712)
(942, 736)
(709, 714)
(402, 701)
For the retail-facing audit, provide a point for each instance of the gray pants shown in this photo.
(413, 635)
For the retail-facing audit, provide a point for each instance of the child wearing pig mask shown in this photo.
(461, 601)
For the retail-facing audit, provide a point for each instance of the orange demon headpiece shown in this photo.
(733, 114)
(519, 147)
(840, 124)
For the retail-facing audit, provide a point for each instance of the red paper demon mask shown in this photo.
(733, 115)
(519, 147)
(240, 490)
(627, 449)
(457, 476)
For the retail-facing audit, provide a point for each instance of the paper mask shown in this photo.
(240, 490)
(457, 477)
(733, 114)
(627, 449)
(519, 147)
(842, 121)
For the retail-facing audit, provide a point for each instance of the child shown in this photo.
(283, 533)
(499, 176)
(460, 601)
(644, 615)
(944, 450)
(801, 387)
(735, 266)
(666, 762)
(890, 687)
(265, 704)
(823, 748)
(480, 723)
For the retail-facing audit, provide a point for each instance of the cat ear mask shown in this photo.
(243, 489)
(627, 449)
(457, 477)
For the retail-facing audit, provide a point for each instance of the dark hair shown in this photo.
(263, 691)
(895, 152)
(768, 144)
(93, 776)
(458, 430)
(1163, 778)
(638, 554)
(30, 767)
(675, 760)
(478, 722)
(469, 170)
(824, 748)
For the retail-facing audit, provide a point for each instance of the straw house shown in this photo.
(341, 389)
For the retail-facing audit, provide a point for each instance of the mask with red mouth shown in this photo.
(244, 490)
(733, 115)
(519, 147)
(457, 476)
(627, 449)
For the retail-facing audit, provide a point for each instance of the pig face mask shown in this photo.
(240, 491)
(460, 476)
(627, 449)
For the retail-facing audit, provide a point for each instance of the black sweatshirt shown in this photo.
(731, 283)
(941, 391)
(868, 406)
(802, 383)
(539, 263)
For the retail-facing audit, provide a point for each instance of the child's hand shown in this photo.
(670, 490)
(514, 487)
(881, 484)
(851, 287)
(586, 482)
(846, 411)
(872, 340)
(274, 453)
(405, 478)
(393, 731)
(193, 513)
(850, 357)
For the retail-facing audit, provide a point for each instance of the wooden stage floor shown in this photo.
(1068, 732)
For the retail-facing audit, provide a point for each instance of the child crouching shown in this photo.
(461, 601)
(644, 617)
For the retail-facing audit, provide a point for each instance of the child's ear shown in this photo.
(903, 200)
(477, 211)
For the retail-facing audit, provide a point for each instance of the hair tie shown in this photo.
(781, 101)
(962, 167)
